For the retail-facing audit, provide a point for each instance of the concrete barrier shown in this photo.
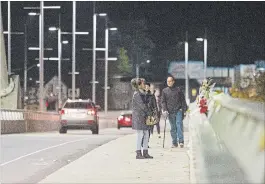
(226, 147)
(241, 127)
(20, 121)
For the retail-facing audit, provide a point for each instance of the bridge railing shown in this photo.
(228, 145)
(20, 121)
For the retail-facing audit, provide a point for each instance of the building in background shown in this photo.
(244, 75)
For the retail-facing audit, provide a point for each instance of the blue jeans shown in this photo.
(176, 124)
(142, 136)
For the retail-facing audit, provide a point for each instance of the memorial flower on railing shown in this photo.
(204, 95)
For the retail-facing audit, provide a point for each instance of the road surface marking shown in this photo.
(35, 152)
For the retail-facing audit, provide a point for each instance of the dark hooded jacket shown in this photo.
(173, 99)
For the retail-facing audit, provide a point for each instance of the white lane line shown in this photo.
(35, 152)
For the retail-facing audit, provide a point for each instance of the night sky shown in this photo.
(235, 31)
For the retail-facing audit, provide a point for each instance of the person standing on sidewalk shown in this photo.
(159, 108)
(140, 111)
(151, 103)
(174, 107)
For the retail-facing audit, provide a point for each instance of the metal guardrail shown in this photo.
(226, 145)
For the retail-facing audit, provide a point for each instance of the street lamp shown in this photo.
(94, 51)
(205, 51)
(35, 65)
(138, 67)
(59, 61)
(187, 68)
(102, 14)
(73, 49)
(41, 46)
(106, 87)
(41, 55)
(53, 29)
(32, 13)
(53, 59)
(9, 38)
(113, 29)
(37, 48)
(199, 39)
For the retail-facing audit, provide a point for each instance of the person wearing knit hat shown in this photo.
(139, 113)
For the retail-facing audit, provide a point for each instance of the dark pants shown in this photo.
(157, 128)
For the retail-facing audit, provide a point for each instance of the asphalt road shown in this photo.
(28, 158)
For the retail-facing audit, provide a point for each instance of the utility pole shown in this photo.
(73, 50)
(205, 53)
(94, 53)
(9, 38)
(25, 63)
(41, 54)
(59, 64)
(106, 65)
(186, 68)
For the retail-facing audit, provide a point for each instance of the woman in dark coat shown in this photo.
(140, 111)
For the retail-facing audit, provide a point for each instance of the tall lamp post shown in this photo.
(187, 68)
(59, 62)
(9, 37)
(41, 49)
(41, 55)
(138, 67)
(94, 52)
(60, 43)
(205, 51)
(106, 87)
(73, 49)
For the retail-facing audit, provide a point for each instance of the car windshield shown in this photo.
(78, 105)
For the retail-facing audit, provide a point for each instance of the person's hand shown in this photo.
(165, 113)
(186, 113)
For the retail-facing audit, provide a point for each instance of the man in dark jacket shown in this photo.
(174, 106)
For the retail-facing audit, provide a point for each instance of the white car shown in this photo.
(79, 114)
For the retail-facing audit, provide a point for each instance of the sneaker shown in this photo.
(181, 145)
(174, 146)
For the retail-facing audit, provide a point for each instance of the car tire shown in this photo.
(95, 130)
(63, 130)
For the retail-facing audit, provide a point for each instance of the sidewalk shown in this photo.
(115, 163)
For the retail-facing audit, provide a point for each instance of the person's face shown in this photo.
(147, 87)
(170, 81)
(157, 93)
(142, 85)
